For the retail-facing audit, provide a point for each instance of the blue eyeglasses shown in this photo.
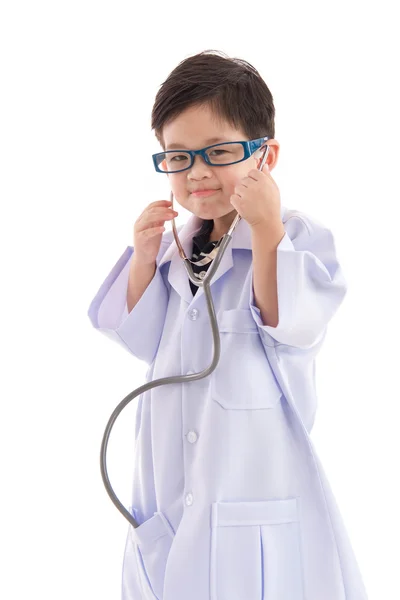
(217, 155)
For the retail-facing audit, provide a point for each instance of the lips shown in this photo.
(204, 192)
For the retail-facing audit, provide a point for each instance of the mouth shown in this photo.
(204, 193)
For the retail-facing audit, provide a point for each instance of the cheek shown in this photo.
(230, 181)
(178, 186)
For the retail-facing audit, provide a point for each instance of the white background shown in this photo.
(78, 80)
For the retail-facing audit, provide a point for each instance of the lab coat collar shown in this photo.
(177, 276)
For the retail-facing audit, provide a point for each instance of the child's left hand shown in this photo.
(257, 199)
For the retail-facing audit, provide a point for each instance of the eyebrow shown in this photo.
(207, 142)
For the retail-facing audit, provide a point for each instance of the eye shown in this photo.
(178, 158)
(219, 151)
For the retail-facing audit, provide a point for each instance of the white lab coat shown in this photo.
(231, 497)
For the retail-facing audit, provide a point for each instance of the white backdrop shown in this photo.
(78, 80)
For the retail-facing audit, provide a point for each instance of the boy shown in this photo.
(231, 499)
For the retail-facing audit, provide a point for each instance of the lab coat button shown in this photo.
(193, 314)
(192, 437)
(189, 499)
(202, 274)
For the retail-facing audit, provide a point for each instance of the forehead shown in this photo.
(197, 127)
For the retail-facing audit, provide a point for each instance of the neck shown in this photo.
(221, 226)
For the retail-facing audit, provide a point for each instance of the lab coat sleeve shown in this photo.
(139, 331)
(310, 285)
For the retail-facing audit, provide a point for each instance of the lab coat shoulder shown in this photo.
(139, 331)
(310, 284)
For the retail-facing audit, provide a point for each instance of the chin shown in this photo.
(213, 214)
(215, 209)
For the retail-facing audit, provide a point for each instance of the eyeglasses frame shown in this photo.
(250, 146)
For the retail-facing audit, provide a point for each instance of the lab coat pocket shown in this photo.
(152, 541)
(243, 378)
(255, 551)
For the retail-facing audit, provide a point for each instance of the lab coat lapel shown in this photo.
(178, 277)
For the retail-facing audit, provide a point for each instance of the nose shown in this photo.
(199, 168)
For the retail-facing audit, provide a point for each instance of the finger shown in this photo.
(160, 203)
(254, 175)
(155, 216)
(157, 203)
(148, 233)
(240, 189)
(143, 226)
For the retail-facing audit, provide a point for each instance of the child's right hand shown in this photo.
(148, 230)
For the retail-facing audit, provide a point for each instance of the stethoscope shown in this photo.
(216, 254)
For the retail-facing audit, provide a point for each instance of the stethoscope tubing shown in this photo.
(205, 283)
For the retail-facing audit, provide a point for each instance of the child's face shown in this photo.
(191, 130)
